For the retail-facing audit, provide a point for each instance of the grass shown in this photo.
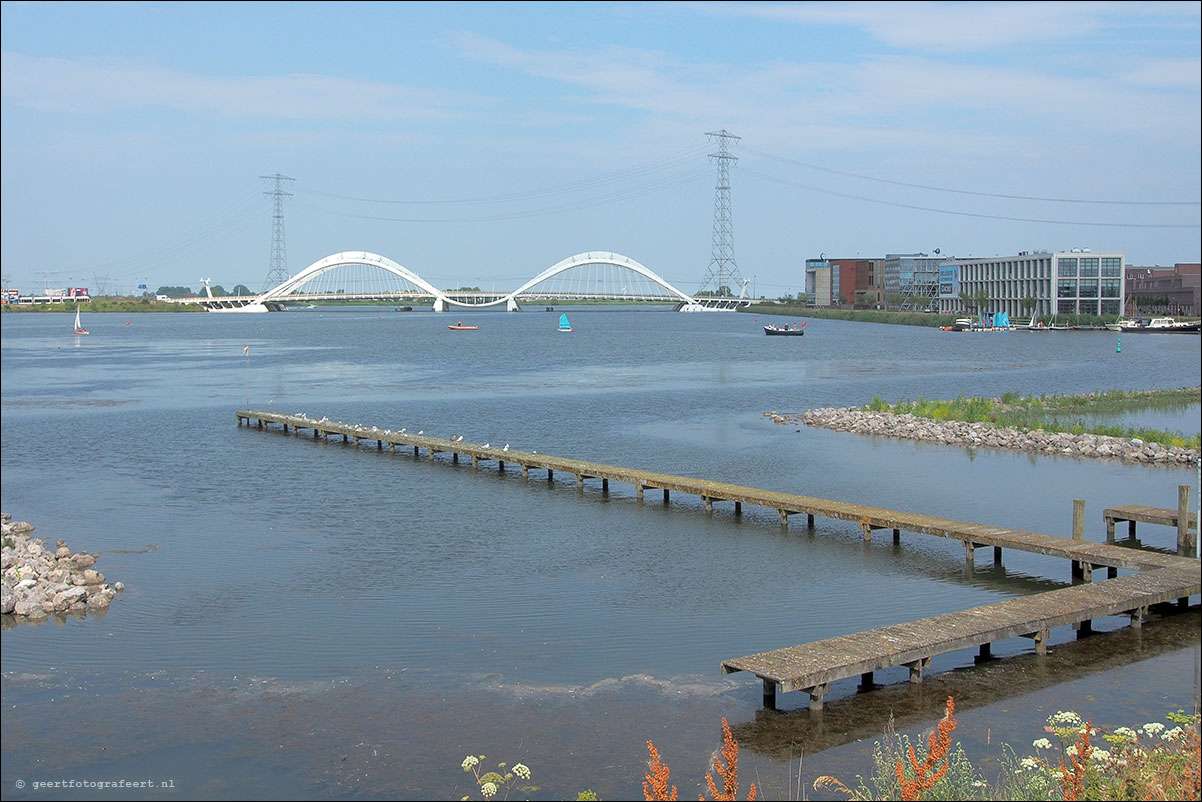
(1057, 413)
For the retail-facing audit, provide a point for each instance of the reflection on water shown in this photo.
(400, 613)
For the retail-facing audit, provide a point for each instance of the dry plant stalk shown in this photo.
(929, 771)
(729, 773)
(1074, 781)
(655, 786)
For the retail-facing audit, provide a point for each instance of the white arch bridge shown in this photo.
(364, 276)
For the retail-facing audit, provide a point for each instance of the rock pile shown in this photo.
(984, 435)
(38, 582)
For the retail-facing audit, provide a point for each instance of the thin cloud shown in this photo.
(78, 87)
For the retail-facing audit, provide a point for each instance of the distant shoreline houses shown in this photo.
(1043, 283)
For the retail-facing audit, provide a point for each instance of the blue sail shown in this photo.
(564, 324)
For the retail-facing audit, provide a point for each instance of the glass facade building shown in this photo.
(1042, 283)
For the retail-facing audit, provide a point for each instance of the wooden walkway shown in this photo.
(813, 666)
(1181, 519)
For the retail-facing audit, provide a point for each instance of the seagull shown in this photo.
(486, 445)
(506, 448)
(421, 431)
(402, 431)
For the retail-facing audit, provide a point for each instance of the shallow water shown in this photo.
(290, 602)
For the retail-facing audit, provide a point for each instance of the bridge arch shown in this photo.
(349, 258)
(595, 258)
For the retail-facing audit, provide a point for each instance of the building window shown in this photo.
(1066, 306)
(1110, 307)
(1066, 267)
(1066, 288)
(1111, 287)
(1088, 288)
(1089, 267)
(1112, 267)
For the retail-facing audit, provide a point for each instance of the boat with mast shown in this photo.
(79, 329)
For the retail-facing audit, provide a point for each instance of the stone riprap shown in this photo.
(984, 435)
(39, 582)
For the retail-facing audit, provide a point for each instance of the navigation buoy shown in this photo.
(1118, 348)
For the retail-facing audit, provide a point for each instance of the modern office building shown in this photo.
(822, 284)
(1043, 283)
(840, 282)
(912, 280)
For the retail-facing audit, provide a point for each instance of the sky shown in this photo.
(478, 144)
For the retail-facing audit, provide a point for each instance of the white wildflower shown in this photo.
(488, 790)
(1030, 763)
(1065, 718)
(469, 762)
(1100, 755)
(1173, 734)
(1042, 743)
(520, 770)
(1153, 728)
(1072, 750)
(1126, 733)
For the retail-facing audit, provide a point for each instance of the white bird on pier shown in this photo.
(486, 445)
(421, 431)
(506, 448)
(402, 431)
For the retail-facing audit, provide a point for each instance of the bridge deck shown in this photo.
(813, 666)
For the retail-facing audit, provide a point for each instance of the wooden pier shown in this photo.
(813, 666)
(1182, 519)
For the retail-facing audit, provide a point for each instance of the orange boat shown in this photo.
(460, 327)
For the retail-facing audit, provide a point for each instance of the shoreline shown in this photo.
(984, 435)
(39, 582)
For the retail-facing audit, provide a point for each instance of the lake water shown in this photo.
(310, 619)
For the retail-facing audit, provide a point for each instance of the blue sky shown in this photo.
(479, 143)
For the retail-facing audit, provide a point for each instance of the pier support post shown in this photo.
(416, 453)
(475, 461)
(810, 520)
(525, 471)
(500, 465)
(550, 474)
(816, 694)
(985, 652)
(1041, 642)
(970, 550)
(1187, 541)
(1111, 572)
(769, 694)
(896, 537)
(455, 457)
(1137, 617)
(866, 681)
(997, 556)
(784, 519)
(1084, 628)
(1109, 530)
(709, 505)
(604, 485)
(867, 527)
(665, 495)
(638, 492)
(579, 483)
(1078, 534)
(738, 508)
(916, 670)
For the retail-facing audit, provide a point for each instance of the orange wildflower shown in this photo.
(930, 770)
(728, 772)
(1074, 781)
(655, 786)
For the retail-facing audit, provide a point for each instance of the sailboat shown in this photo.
(564, 325)
(79, 329)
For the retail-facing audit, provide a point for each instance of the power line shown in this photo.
(670, 162)
(682, 177)
(964, 214)
(969, 192)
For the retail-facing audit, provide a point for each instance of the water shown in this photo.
(308, 619)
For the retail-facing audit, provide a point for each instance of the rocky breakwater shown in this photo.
(984, 435)
(39, 582)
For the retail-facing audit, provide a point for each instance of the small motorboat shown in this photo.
(460, 327)
(796, 331)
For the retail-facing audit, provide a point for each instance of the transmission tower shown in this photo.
(278, 272)
(722, 271)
